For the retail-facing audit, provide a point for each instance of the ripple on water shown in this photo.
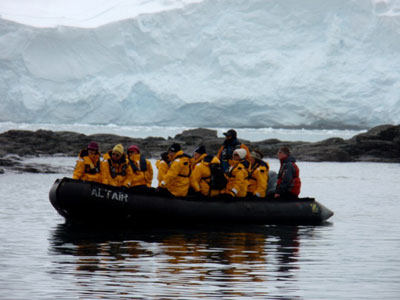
(43, 258)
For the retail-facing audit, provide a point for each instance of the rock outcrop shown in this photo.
(379, 144)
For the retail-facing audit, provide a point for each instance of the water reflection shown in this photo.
(255, 262)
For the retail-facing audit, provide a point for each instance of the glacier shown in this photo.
(219, 63)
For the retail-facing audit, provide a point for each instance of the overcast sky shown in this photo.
(82, 13)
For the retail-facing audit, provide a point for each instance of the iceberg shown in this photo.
(219, 63)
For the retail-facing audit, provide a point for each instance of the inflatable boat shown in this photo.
(88, 202)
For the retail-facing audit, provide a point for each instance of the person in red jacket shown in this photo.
(289, 183)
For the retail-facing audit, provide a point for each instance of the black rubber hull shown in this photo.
(88, 202)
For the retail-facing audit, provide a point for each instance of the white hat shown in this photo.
(241, 152)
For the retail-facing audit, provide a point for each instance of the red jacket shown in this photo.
(288, 177)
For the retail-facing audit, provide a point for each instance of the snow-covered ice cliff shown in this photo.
(211, 63)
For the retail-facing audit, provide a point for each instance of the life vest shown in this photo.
(88, 166)
(94, 170)
(295, 184)
(113, 171)
(296, 181)
(142, 164)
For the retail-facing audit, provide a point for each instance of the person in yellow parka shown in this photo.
(115, 168)
(88, 165)
(162, 166)
(201, 177)
(142, 170)
(198, 155)
(238, 174)
(258, 175)
(177, 178)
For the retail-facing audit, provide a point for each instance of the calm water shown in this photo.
(355, 256)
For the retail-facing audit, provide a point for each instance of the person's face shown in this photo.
(236, 157)
(281, 155)
(116, 155)
(196, 155)
(170, 155)
(228, 137)
(132, 152)
(92, 152)
(252, 159)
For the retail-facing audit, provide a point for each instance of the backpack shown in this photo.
(218, 180)
(272, 179)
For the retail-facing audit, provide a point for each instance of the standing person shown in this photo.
(231, 143)
(258, 175)
(162, 166)
(88, 165)
(142, 170)
(238, 174)
(288, 184)
(115, 168)
(177, 178)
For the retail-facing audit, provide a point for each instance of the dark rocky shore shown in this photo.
(379, 144)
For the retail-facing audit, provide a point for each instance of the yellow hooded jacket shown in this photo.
(195, 162)
(200, 178)
(116, 173)
(88, 167)
(176, 180)
(237, 179)
(258, 179)
(162, 167)
(140, 177)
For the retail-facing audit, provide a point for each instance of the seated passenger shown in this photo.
(198, 155)
(238, 174)
(177, 178)
(162, 166)
(288, 184)
(200, 180)
(88, 165)
(258, 175)
(142, 169)
(115, 168)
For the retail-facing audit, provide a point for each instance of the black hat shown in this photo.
(175, 147)
(200, 149)
(231, 133)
